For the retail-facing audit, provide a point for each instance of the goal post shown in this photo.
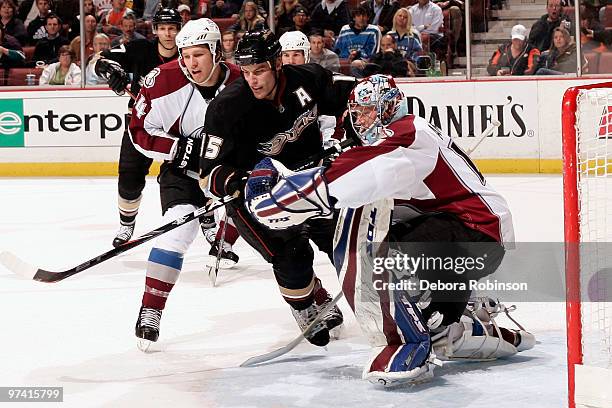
(587, 189)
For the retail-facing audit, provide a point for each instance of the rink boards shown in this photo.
(51, 132)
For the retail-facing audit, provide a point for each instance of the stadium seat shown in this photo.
(224, 23)
(17, 76)
(593, 59)
(29, 52)
(605, 63)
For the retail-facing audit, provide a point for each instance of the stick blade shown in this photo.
(16, 265)
(271, 355)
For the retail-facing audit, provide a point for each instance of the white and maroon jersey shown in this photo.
(169, 106)
(423, 169)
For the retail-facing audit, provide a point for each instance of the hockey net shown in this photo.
(587, 190)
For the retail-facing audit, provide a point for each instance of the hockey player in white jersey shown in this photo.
(404, 164)
(167, 124)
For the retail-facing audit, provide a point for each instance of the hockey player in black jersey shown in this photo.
(272, 111)
(137, 57)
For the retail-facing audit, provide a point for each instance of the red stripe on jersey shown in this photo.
(292, 198)
(452, 196)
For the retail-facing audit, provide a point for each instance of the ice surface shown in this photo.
(78, 333)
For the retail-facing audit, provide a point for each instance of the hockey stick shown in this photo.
(16, 265)
(294, 343)
(487, 132)
(213, 272)
(20, 267)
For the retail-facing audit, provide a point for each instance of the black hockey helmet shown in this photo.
(256, 47)
(167, 16)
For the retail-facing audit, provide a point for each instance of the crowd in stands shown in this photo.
(398, 37)
(550, 48)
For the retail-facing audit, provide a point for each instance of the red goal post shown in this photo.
(587, 187)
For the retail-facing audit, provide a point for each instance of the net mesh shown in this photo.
(594, 152)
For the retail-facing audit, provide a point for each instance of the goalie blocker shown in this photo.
(405, 162)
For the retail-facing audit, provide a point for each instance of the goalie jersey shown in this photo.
(423, 170)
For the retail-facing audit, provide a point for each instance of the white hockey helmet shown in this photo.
(202, 31)
(372, 105)
(296, 41)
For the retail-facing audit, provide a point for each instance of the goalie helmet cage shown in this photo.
(587, 192)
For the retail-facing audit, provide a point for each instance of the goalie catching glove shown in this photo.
(114, 74)
(279, 198)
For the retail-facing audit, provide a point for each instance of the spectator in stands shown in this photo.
(427, 18)
(228, 43)
(112, 20)
(63, 72)
(321, 55)
(222, 9)
(561, 57)
(90, 31)
(407, 38)
(455, 12)
(358, 40)
(101, 43)
(36, 27)
(128, 31)
(47, 48)
(300, 22)
(151, 7)
(389, 60)
(249, 18)
(185, 12)
(67, 11)
(542, 30)
(11, 53)
(75, 29)
(284, 14)
(330, 15)
(12, 25)
(516, 57)
(381, 13)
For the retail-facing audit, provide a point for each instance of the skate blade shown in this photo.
(223, 263)
(144, 345)
(337, 332)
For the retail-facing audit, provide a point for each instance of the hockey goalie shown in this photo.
(405, 183)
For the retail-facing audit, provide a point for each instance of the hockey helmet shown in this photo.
(167, 16)
(202, 31)
(296, 41)
(256, 47)
(372, 105)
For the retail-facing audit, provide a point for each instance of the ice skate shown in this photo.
(147, 327)
(228, 257)
(478, 337)
(333, 318)
(123, 235)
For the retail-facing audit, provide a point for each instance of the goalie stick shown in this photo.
(294, 343)
(487, 132)
(16, 265)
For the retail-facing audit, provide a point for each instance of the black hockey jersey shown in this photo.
(137, 57)
(241, 129)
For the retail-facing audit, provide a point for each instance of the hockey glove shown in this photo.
(279, 198)
(114, 74)
(187, 156)
(226, 180)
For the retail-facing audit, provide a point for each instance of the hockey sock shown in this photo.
(231, 233)
(163, 269)
(128, 209)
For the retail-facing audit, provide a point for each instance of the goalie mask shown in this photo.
(199, 32)
(372, 105)
(296, 41)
